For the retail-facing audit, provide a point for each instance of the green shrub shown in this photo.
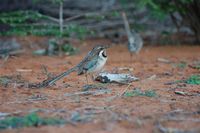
(30, 120)
(194, 79)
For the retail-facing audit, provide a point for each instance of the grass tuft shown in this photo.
(30, 120)
(182, 65)
(56, 48)
(194, 79)
(138, 92)
(4, 80)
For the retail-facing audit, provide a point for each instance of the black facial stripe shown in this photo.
(104, 54)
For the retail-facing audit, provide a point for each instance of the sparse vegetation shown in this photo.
(180, 65)
(4, 80)
(195, 65)
(155, 91)
(138, 92)
(30, 120)
(24, 23)
(57, 47)
(185, 8)
(194, 79)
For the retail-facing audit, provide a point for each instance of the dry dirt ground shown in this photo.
(109, 112)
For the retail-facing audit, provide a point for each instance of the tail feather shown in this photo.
(50, 82)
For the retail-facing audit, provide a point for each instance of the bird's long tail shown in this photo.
(51, 81)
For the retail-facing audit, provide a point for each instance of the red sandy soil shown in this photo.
(138, 114)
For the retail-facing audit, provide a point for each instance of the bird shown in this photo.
(135, 42)
(93, 62)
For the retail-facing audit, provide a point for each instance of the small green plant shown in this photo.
(138, 92)
(55, 47)
(30, 120)
(20, 17)
(194, 79)
(196, 65)
(180, 65)
(69, 49)
(4, 80)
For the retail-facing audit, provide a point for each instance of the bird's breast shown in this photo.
(101, 62)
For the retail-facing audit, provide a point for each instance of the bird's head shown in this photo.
(101, 50)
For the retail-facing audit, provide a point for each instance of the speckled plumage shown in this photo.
(135, 43)
(93, 61)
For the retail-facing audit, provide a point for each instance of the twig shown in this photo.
(74, 17)
(172, 118)
(180, 93)
(163, 129)
(9, 114)
(4, 114)
(37, 98)
(50, 18)
(98, 92)
(24, 70)
(15, 52)
(125, 90)
(96, 107)
(45, 71)
(152, 77)
(119, 94)
(166, 130)
(125, 68)
(163, 60)
(183, 116)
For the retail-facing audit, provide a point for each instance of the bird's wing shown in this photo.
(88, 63)
(88, 57)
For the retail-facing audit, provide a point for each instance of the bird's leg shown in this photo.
(93, 77)
(136, 57)
(131, 57)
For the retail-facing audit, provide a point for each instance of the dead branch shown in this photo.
(97, 92)
(163, 129)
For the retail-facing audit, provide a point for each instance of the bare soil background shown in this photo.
(107, 112)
